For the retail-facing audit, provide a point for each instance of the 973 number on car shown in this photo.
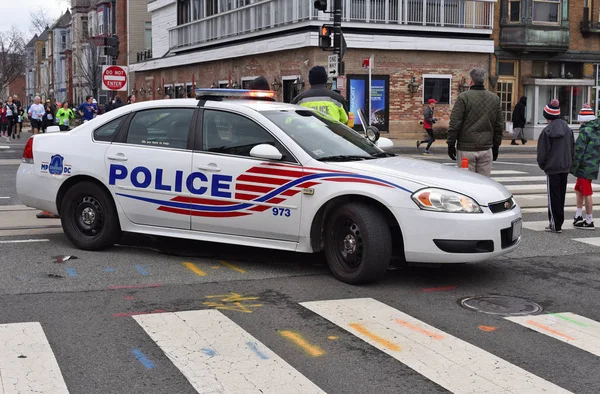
(282, 212)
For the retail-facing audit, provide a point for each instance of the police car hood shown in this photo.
(427, 174)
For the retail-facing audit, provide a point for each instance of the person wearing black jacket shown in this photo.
(320, 98)
(518, 119)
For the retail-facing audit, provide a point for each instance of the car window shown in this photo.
(233, 134)
(107, 132)
(165, 127)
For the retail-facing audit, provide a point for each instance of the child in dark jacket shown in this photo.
(555, 153)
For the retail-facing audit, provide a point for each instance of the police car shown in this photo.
(263, 174)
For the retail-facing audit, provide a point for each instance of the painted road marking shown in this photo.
(27, 363)
(134, 286)
(232, 302)
(231, 266)
(142, 270)
(542, 224)
(594, 241)
(520, 178)
(312, 350)
(72, 272)
(237, 362)
(18, 241)
(194, 268)
(129, 314)
(141, 357)
(450, 362)
(4, 198)
(568, 327)
(507, 172)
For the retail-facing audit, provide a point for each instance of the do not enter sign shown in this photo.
(114, 78)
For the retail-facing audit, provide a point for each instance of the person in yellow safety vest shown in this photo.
(320, 98)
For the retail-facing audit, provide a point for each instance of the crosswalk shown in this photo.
(216, 355)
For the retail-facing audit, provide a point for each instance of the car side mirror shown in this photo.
(372, 133)
(266, 151)
(384, 142)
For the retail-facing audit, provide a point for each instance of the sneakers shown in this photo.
(427, 153)
(551, 230)
(577, 219)
(418, 144)
(584, 225)
(524, 141)
(513, 142)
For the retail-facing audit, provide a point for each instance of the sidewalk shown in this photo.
(21, 220)
(409, 146)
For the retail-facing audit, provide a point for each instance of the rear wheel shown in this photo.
(89, 217)
(358, 244)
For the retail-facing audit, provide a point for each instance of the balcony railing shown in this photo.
(267, 14)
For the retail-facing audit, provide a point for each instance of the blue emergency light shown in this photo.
(219, 94)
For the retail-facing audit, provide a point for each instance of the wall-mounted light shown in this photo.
(213, 85)
(276, 85)
(329, 84)
(159, 89)
(235, 85)
(299, 83)
(142, 92)
(464, 86)
(413, 85)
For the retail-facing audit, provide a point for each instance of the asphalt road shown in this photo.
(253, 322)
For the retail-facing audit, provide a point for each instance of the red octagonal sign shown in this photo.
(114, 78)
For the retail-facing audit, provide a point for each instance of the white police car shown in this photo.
(263, 174)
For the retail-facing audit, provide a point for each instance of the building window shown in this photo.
(514, 11)
(148, 35)
(84, 28)
(184, 12)
(63, 42)
(506, 69)
(436, 87)
(546, 11)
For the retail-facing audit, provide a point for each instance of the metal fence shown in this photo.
(268, 14)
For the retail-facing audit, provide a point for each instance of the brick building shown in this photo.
(429, 44)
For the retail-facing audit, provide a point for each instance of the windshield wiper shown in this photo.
(344, 158)
(383, 154)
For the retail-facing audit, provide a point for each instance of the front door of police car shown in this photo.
(243, 195)
(150, 171)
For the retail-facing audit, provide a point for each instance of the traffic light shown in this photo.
(325, 36)
(111, 46)
(321, 5)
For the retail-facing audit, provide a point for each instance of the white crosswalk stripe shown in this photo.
(27, 363)
(446, 360)
(224, 357)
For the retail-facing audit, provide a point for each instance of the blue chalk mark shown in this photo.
(142, 270)
(252, 346)
(71, 271)
(141, 357)
(110, 269)
(209, 352)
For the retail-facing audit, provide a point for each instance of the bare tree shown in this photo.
(12, 57)
(89, 60)
(40, 20)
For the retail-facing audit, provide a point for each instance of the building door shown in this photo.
(290, 89)
(506, 92)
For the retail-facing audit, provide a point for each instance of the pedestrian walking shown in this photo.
(555, 153)
(11, 115)
(64, 116)
(476, 126)
(36, 114)
(48, 117)
(585, 166)
(428, 122)
(518, 119)
(130, 100)
(88, 109)
(320, 98)
(3, 122)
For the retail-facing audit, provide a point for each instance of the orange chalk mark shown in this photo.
(312, 350)
(419, 329)
(332, 337)
(487, 328)
(378, 339)
(543, 327)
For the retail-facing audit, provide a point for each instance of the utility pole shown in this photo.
(339, 44)
(337, 34)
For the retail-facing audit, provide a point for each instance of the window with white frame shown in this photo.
(148, 35)
(546, 11)
(437, 87)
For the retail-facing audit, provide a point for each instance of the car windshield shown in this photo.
(322, 138)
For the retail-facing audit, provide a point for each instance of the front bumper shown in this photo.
(439, 237)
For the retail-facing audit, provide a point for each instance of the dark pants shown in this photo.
(10, 123)
(430, 140)
(557, 188)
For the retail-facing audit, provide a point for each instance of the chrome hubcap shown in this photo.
(88, 216)
(350, 244)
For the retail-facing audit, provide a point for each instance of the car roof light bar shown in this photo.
(219, 94)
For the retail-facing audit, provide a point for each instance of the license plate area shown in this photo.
(517, 227)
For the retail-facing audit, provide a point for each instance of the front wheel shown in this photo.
(89, 217)
(358, 244)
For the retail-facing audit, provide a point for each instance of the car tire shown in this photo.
(358, 244)
(89, 217)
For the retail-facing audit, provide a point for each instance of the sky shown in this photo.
(19, 11)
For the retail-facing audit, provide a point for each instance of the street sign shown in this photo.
(333, 65)
(114, 78)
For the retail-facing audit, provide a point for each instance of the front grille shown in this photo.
(502, 206)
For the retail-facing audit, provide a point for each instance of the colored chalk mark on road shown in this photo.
(231, 266)
(385, 343)
(232, 302)
(252, 346)
(546, 328)
(560, 316)
(127, 314)
(419, 329)
(312, 350)
(142, 270)
(71, 272)
(332, 337)
(487, 328)
(443, 288)
(209, 352)
(129, 298)
(110, 269)
(194, 268)
(215, 267)
(134, 286)
(141, 357)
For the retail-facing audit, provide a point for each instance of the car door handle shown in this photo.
(210, 167)
(117, 157)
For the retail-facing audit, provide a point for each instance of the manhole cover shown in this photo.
(501, 305)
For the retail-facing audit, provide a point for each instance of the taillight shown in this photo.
(28, 151)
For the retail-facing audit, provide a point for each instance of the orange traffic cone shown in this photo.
(46, 215)
(465, 163)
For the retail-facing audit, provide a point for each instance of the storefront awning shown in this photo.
(557, 82)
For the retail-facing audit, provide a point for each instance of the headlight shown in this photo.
(445, 201)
